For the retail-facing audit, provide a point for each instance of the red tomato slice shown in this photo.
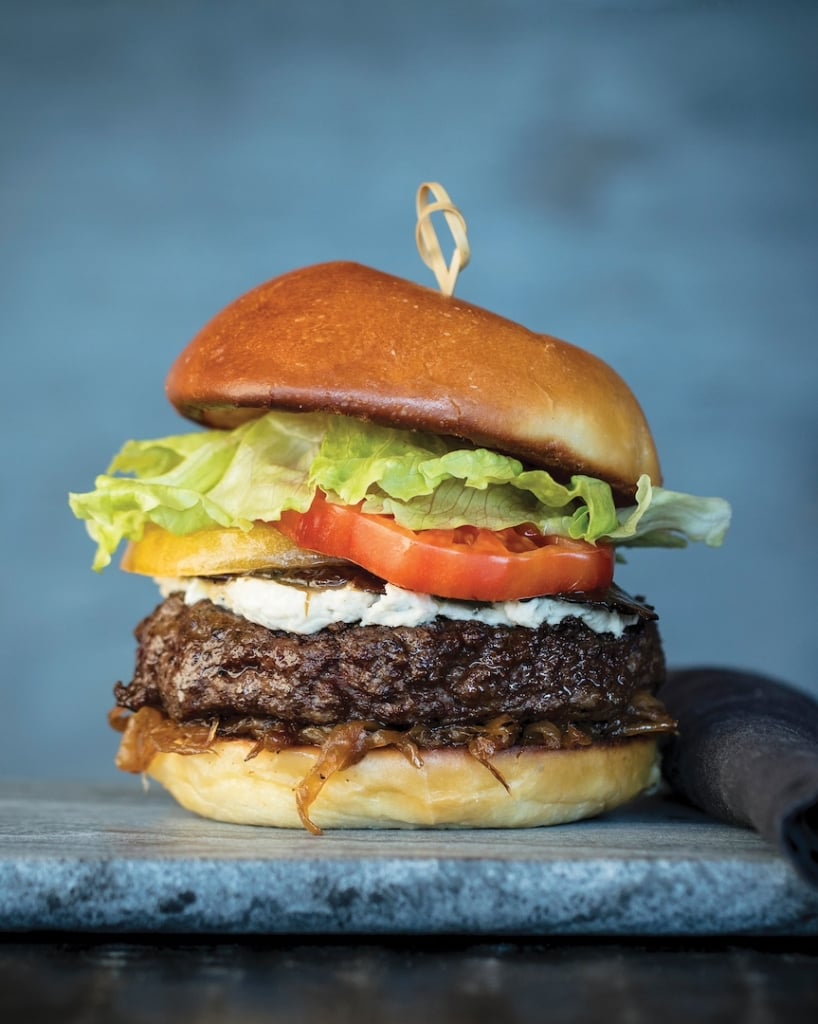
(467, 563)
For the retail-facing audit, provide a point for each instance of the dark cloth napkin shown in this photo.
(747, 753)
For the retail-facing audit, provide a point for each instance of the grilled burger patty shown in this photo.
(200, 663)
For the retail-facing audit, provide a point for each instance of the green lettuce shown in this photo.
(193, 482)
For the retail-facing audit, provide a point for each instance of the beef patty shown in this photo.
(202, 663)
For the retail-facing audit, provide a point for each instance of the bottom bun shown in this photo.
(451, 789)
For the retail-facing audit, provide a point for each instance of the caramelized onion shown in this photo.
(500, 733)
(149, 732)
(346, 744)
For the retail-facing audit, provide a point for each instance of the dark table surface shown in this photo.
(134, 979)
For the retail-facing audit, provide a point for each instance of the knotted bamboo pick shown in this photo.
(433, 198)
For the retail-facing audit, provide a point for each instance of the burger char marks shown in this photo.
(202, 662)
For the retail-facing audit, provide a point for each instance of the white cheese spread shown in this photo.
(307, 610)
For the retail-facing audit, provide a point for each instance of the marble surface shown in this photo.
(120, 860)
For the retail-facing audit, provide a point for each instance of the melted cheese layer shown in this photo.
(307, 610)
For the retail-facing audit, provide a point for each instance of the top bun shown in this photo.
(345, 339)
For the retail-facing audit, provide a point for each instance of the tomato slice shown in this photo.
(215, 552)
(467, 563)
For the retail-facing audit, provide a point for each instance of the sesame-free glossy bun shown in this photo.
(383, 790)
(345, 339)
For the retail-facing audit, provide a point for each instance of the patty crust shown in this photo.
(200, 662)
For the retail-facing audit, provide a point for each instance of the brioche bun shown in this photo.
(345, 339)
(450, 790)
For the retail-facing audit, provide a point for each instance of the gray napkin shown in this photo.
(747, 753)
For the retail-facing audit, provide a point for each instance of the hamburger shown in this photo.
(386, 567)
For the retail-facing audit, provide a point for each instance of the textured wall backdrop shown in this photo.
(638, 178)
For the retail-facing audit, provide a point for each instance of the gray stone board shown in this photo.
(117, 859)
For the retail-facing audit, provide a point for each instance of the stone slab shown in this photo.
(120, 860)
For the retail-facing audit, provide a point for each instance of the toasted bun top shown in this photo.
(345, 339)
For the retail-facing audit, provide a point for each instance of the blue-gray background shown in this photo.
(638, 177)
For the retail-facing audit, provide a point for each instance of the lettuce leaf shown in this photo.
(198, 481)
(193, 482)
